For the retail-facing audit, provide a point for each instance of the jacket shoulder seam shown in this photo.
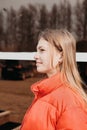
(48, 103)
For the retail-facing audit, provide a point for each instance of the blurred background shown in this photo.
(20, 23)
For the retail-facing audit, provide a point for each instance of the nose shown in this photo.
(36, 56)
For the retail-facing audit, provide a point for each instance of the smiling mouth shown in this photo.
(38, 63)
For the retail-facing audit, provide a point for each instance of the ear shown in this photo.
(60, 60)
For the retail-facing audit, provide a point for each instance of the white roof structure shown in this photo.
(80, 57)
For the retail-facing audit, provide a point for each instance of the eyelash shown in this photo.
(42, 50)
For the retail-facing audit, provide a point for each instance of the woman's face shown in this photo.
(47, 58)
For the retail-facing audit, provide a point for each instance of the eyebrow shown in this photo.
(39, 47)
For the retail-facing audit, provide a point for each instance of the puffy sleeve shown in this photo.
(72, 119)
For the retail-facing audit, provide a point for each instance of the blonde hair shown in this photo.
(65, 42)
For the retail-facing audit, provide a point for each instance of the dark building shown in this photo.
(82, 66)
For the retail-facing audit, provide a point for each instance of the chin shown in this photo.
(40, 70)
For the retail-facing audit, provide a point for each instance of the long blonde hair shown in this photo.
(66, 43)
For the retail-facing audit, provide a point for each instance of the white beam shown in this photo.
(17, 55)
(80, 57)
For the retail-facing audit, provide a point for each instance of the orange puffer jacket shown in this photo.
(55, 107)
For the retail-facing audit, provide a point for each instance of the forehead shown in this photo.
(43, 43)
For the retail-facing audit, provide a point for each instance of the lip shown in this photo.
(38, 63)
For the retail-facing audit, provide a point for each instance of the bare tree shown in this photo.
(81, 20)
(32, 27)
(1, 28)
(43, 18)
(61, 16)
(54, 17)
(22, 15)
(11, 30)
(69, 16)
(65, 11)
(26, 28)
(85, 19)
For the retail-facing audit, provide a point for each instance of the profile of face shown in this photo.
(47, 58)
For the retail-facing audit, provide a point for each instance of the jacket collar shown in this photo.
(47, 85)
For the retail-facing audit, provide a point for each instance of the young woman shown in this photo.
(60, 102)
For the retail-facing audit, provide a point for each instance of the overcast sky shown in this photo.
(17, 3)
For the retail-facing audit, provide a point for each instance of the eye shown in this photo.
(42, 49)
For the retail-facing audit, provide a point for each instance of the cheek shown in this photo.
(45, 66)
(46, 59)
(46, 63)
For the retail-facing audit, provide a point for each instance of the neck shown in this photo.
(52, 73)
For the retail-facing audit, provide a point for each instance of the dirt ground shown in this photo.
(16, 96)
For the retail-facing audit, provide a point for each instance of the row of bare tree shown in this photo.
(19, 28)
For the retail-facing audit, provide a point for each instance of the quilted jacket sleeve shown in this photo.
(72, 119)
